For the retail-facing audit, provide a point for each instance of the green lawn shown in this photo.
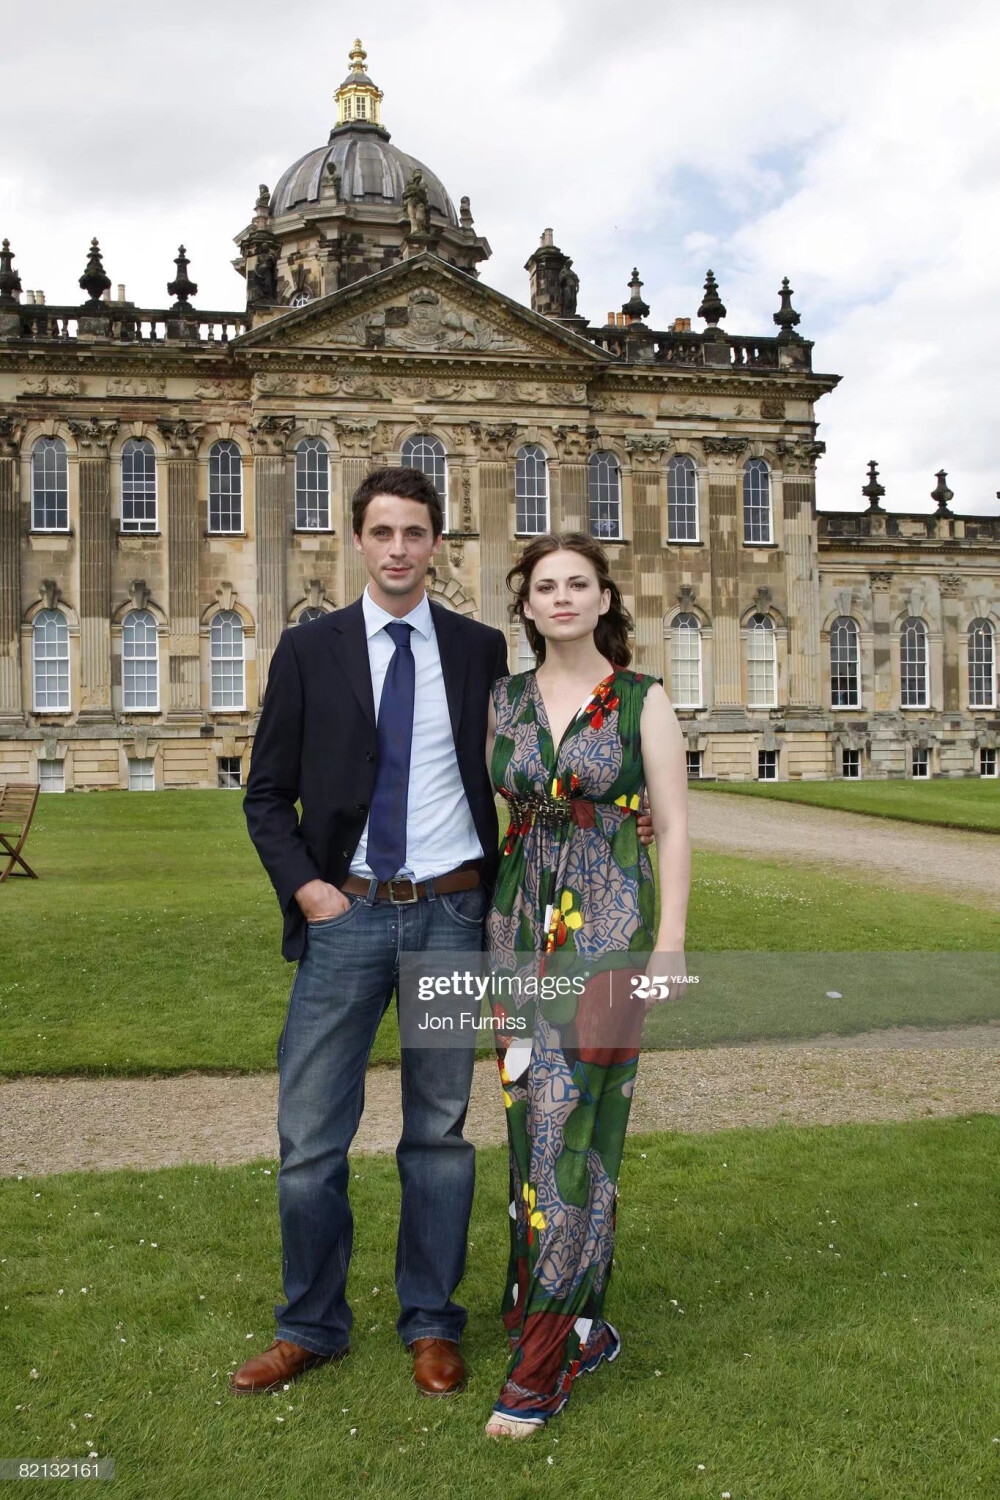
(805, 1313)
(972, 803)
(151, 942)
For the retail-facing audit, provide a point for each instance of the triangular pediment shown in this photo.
(421, 307)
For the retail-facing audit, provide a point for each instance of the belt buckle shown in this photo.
(403, 900)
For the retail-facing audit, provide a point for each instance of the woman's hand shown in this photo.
(667, 975)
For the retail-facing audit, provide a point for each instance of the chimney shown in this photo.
(30, 298)
(121, 292)
(546, 236)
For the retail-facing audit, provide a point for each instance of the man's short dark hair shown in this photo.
(408, 484)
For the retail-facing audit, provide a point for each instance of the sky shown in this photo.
(854, 148)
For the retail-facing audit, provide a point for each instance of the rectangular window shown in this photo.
(50, 776)
(767, 765)
(140, 775)
(229, 771)
(987, 761)
(919, 763)
(694, 763)
(851, 764)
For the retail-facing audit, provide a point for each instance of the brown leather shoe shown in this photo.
(438, 1368)
(275, 1367)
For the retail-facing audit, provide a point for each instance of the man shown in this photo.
(375, 719)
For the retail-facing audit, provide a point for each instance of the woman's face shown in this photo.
(565, 600)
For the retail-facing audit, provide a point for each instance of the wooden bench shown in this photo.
(17, 808)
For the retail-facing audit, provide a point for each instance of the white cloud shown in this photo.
(854, 148)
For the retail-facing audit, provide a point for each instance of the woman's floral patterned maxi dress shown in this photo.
(576, 886)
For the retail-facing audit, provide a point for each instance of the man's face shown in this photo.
(398, 543)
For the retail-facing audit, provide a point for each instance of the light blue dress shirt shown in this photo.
(440, 832)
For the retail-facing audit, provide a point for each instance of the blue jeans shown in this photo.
(342, 988)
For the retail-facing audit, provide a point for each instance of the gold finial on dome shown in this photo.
(357, 98)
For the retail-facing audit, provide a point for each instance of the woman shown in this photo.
(571, 747)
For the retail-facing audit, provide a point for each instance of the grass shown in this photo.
(806, 1312)
(151, 944)
(972, 803)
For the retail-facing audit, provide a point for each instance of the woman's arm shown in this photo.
(664, 764)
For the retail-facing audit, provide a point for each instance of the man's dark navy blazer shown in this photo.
(316, 742)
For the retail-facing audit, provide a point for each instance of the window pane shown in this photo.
(49, 485)
(686, 662)
(140, 775)
(227, 660)
(312, 486)
(225, 487)
(982, 676)
(604, 480)
(50, 776)
(426, 453)
(913, 664)
(229, 770)
(138, 485)
(531, 488)
(682, 499)
(50, 660)
(844, 663)
(756, 501)
(140, 678)
(761, 683)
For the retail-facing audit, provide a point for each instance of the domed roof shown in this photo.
(370, 168)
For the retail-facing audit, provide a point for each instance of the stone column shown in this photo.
(801, 547)
(183, 553)
(725, 535)
(11, 707)
(646, 457)
(880, 583)
(495, 519)
(272, 525)
(93, 440)
(355, 440)
(951, 587)
(574, 448)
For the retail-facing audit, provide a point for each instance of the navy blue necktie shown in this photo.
(387, 819)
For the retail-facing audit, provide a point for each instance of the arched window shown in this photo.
(685, 662)
(604, 483)
(138, 485)
(762, 662)
(309, 612)
(300, 299)
(844, 679)
(982, 665)
(225, 487)
(426, 453)
(312, 485)
(50, 661)
(49, 486)
(531, 489)
(913, 691)
(227, 660)
(756, 502)
(682, 499)
(140, 675)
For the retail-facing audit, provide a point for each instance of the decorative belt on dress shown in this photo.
(551, 812)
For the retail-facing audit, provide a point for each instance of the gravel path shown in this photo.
(66, 1124)
(910, 855)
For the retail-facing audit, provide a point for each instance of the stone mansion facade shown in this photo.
(175, 482)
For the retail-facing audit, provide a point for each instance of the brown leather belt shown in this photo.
(405, 892)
